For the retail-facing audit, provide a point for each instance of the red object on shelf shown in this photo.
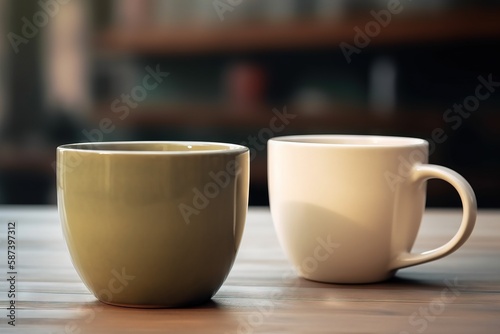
(246, 85)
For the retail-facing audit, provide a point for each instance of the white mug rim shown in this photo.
(350, 141)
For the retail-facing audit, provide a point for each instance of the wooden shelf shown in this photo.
(259, 36)
(224, 117)
(26, 160)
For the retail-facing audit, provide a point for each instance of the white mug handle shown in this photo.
(422, 173)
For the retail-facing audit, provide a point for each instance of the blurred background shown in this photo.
(75, 71)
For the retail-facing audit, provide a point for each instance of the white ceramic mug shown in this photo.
(347, 209)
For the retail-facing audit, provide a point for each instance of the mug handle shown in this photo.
(422, 173)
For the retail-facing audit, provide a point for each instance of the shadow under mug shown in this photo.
(347, 209)
(153, 224)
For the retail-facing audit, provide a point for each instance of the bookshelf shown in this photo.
(260, 40)
(304, 34)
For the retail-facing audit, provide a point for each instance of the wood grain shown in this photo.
(262, 293)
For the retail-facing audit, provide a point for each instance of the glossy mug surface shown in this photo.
(153, 224)
(347, 209)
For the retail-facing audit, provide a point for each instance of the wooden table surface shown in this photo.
(457, 294)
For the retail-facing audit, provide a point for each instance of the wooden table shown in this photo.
(458, 294)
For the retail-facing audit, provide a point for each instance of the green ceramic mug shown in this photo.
(153, 224)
